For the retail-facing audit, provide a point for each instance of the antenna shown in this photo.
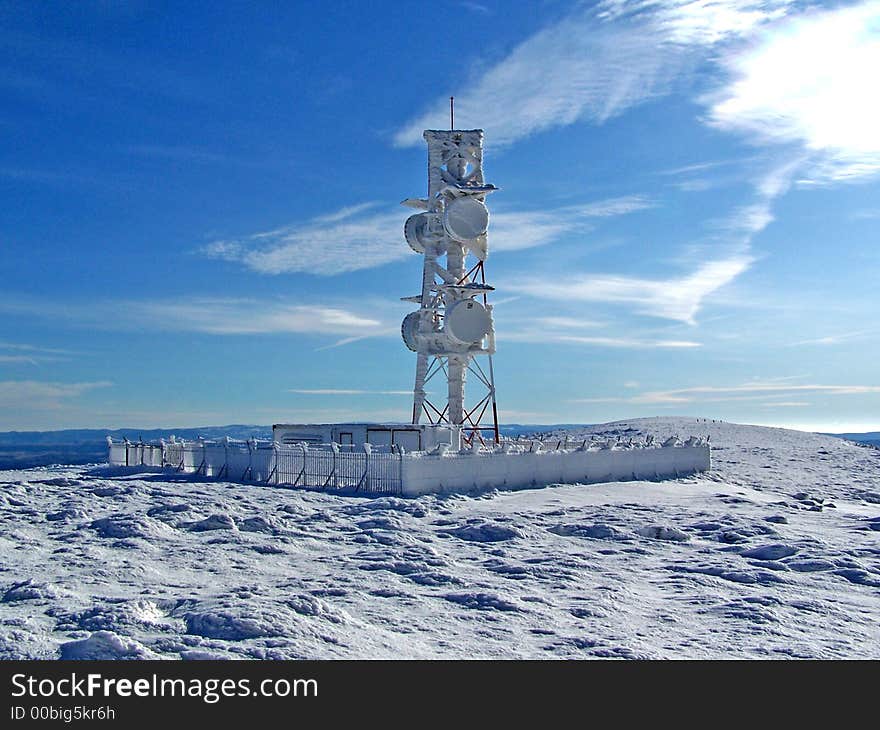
(451, 113)
(453, 328)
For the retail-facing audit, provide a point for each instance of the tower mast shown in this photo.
(454, 323)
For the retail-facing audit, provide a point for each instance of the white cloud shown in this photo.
(16, 352)
(676, 298)
(223, 316)
(342, 391)
(760, 390)
(699, 22)
(590, 66)
(353, 238)
(565, 330)
(810, 80)
(18, 359)
(836, 339)
(38, 395)
(512, 231)
(359, 237)
(626, 342)
(786, 404)
(247, 316)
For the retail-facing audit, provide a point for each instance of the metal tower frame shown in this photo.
(454, 322)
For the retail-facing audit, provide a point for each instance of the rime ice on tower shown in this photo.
(452, 332)
(453, 328)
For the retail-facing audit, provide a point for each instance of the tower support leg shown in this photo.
(456, 375)
(419, 388)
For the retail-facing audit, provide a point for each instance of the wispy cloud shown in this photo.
(353, 238)
(44, 177)
(17, 352)
(810, 80)
(342, 391)
(40, 395)
(473, 7)
(676, 298)
(248, 316)
(748, 220)
(570, 331)
(512, 231)
(836, 339)
(619, 342)
(680, 298)
(362, 237)
(701, 22)
(786, 404)
(591, 65)
(760, 390)
(18, 359)
(219, 316)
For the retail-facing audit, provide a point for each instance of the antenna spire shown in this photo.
(451, 113)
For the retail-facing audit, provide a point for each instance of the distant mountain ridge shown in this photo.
(24, 449)
(871, 438)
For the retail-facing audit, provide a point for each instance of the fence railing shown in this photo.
(366, 469)
(298, 465)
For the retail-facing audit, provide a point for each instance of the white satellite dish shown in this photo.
(414, 231)
(466, 219)
(409, 329)
(468, 322)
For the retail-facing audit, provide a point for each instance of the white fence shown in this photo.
(588, 464)
(330, 467)
(363, 469)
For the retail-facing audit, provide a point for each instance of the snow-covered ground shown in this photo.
(774, 553)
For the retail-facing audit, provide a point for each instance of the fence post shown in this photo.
(302, 472)
(249, 472)
(275, 458)
(400, 471)
(203, 465)
(224, 470)
(367, 480)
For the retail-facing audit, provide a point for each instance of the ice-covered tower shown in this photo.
(453, 325)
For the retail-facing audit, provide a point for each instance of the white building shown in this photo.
(406, 436)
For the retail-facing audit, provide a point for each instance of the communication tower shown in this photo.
(453, 329)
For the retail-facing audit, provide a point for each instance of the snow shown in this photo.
(773, 553)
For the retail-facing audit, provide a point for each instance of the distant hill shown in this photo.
(871, 438)
(24, 449)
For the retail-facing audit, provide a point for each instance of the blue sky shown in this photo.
(200, 219)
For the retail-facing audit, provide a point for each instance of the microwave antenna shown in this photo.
(453, 330)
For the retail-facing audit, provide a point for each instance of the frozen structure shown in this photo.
(445, 447)
(371, 469)
(453, 324)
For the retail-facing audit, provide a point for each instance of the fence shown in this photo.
(366, 469)
(330, 467)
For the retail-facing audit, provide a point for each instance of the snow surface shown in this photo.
(774, 553)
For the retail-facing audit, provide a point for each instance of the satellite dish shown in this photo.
(467, 321)
(408, 330)
(414, 231)
(466, 219)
